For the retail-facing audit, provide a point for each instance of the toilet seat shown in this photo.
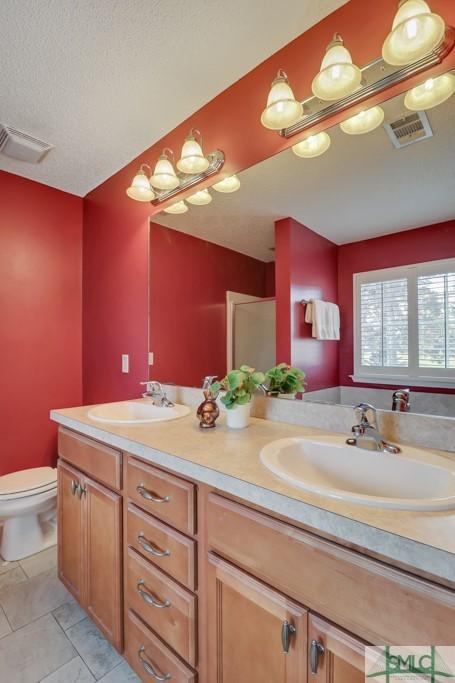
(27, 483)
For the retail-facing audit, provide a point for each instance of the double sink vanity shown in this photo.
(273, 553)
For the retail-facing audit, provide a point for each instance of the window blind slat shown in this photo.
(384, 323)
(436, 319)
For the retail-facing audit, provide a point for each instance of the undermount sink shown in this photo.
(141, 411)
(413, 480)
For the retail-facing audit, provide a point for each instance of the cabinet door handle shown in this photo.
(316, 650)
(80, 490)
(148, 598)
(74, 486)
(149, 548)
(287, 630)
(149, 668)
(149, 496)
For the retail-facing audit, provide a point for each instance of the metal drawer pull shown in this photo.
(149, 599)
(149, 548)
(287, 630)
(316, 651)
(149, 668)
(149, 496)
(74, 486)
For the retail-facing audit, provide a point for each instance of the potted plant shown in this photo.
(239, 386)
(285, 381)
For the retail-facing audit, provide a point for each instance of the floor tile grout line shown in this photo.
(51, 673)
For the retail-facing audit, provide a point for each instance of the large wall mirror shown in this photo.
(363, 226)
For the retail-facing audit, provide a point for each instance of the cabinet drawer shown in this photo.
(165, 496)
(166, 607)
(101, 462)
(168, 549)
(150, 658)
(377, 602)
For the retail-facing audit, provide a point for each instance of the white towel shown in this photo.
(325, 318)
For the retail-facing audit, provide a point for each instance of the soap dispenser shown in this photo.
(208, 411)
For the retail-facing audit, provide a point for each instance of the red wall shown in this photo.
(306, 268)
(412, 246)
(188, 283)
(40, 317)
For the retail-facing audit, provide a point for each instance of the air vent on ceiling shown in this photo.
(18, 145)
(408, 129)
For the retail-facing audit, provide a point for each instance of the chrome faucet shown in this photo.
(400, 400)
(366, 432)
(155, 391)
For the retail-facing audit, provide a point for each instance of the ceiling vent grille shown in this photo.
(22, 146)
(408, 129)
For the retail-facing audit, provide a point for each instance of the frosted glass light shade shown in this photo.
(140, 189)
(164, 177)
(416, 31)
(282, 108)
(338, 76)
(178, 207)
(363, 122)
(229, 184)
(313, 146)
(200, 198)
(192, 160)
(431, 93)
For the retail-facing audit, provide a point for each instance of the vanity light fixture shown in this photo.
(338, 76)
(192, 159)
(178, 207)
(312, 146)
(227, 185)
(431, 93)
(164, 176)
(416, 31)
(282, 108)
(200, 198)
(363, 122)
(140, 189)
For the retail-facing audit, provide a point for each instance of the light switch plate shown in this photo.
(125, 362)
(150, 357)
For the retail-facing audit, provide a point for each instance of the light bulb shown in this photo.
(178, 207)
(164, 177)
(363, 122)
(229, 184)
(416, 31)
(338, 76)
(200, 198)
(192, 160)
(431, 93)
(282, 109)
(313, 146)
(140, 189)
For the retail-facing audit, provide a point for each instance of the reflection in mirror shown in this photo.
(367, 227)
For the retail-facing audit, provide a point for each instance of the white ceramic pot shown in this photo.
(238, 417)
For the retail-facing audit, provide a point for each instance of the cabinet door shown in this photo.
(71, 560)
(334, 656)
(255, 633)
(103, 561)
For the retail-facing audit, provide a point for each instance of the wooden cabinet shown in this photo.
(255, 633)
(90, 548)
(333, 655)
(71, 563)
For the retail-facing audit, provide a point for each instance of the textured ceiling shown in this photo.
(102, 80)
(361, 188)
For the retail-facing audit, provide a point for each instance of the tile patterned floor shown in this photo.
(45, 637)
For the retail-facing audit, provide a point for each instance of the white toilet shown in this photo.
(28, 501)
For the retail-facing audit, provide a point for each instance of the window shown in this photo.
(404, 325)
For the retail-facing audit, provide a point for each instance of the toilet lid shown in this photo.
(35, 479)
